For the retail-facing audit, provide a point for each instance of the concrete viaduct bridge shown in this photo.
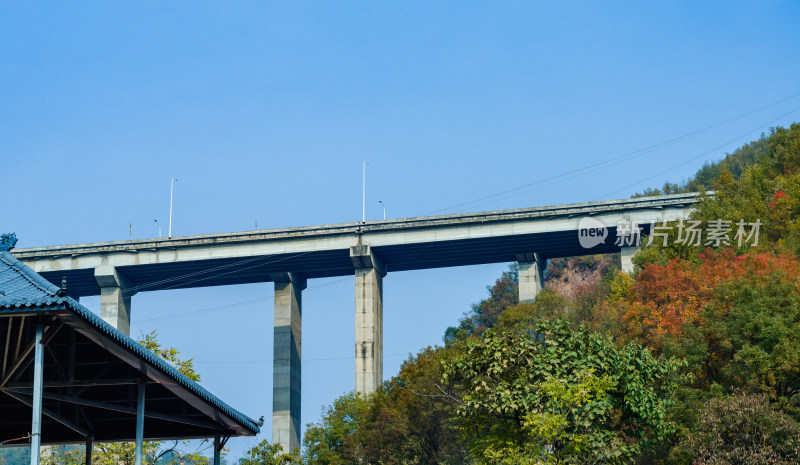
(289, 257)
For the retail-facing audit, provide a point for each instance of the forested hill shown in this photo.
(735, 163)
(692, 359)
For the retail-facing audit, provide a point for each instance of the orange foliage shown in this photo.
(665, 298)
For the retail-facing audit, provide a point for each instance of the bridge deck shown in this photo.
(323, 251)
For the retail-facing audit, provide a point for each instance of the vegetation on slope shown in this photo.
(693, 359)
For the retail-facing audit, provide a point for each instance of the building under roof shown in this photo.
(87, 380)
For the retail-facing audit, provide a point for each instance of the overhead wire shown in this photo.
(494, 197)
(141, 287)
(304, 360)
(624, 157)
(707, 152)
(181, 279)
(234, 304)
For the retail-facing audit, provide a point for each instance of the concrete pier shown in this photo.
(626, 258)
(286, 373)
(531, 276)
(115, 297)
(369, 271)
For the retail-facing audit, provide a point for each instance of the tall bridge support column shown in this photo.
(626, 259)
(286, 374)
(369, 272)
(115, 297)
(531, 276)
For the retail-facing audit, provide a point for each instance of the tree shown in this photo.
(337, 438)
(560, 395)
(760, 182)
(743, 429)
(408, 420)
(170, 354)
(735, 318)
(484, 314)
(265, 453)
(122, 453)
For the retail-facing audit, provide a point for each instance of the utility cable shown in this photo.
(304, 360)
(721, 146)
(201, 272)
(232, 305)
(630, 155)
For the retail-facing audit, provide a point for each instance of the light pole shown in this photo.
(171, 185)
(384, 208)
(364, 193)
(159, 228)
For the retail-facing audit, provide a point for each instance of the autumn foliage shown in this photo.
(668, 298)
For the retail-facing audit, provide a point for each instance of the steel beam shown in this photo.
(89, 448)
(48, 413)
(38, 378)
(139, 426)
(22, 361)
(122, 409)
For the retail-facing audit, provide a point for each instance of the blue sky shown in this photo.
(264, 111)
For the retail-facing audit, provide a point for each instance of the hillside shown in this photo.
(693, 359)
(736, 163)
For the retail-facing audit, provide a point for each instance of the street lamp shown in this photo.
(171, 185)
(364, 193)
(159, 228)
(384, 208)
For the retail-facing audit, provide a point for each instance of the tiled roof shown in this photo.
(23, 288)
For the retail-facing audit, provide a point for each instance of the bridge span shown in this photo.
(289, 257)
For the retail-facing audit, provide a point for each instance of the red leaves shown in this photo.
(665, 298)
(778, 196)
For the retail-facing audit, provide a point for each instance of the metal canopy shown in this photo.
(92, 374)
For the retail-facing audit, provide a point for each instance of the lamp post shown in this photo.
(384, 208)
(159, 228)
(364, 193)
(171, 185)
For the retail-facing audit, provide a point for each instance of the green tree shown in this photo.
(265, 453)
(407, 421)
(170, 354)
(749, 336)
(122, 453)
(484, 314)
(560, 395)
(337, 439)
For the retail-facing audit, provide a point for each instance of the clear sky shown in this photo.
(264, 111)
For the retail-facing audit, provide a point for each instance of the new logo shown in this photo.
(591, 232)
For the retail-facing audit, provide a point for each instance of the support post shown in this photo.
(531, 276)
(115, 297)
(369, 272)
(626, 259)
(89, 447)
(286, 369)
(217, 451)
(38, 381)
(139, 426)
